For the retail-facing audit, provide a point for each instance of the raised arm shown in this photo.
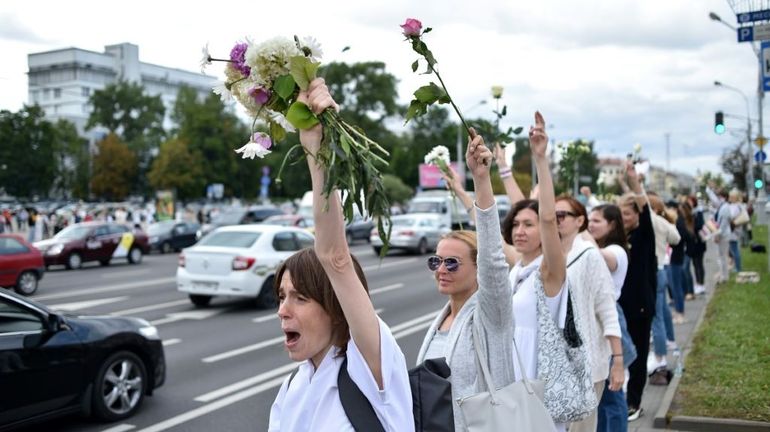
(330, 244)
(512, 188)
(454, 183)
(553, 268)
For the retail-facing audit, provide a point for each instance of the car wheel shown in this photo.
(74, 261)
(26, 284)
(119, 387)
(200, 300)
(377, 250)
(422, 247)
(104, 262)
(266, 297)
(165, 248)
(135, 255)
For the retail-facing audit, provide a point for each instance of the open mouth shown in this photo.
(292, 338)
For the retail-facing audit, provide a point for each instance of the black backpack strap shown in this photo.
(579, 255)
(357, 407)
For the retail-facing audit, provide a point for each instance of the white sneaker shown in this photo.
(671, 345)
(699, 289)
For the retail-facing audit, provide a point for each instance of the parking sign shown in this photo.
(765, 59)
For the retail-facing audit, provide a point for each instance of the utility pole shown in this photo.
(668, 158)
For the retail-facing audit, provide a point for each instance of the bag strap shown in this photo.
(579, 255)
(357, 407)
(482, 359)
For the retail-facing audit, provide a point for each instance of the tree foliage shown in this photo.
(735, 161)
(582, 152)
(71, 152)
(27, 160)
(396, 189)
(177, 167)
(114, 168)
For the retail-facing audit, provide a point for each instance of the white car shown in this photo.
(415, 232)
(238, 261)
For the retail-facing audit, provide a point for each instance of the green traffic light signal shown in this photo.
(758, 184)
(719, 123)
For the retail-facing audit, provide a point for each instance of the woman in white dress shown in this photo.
(329, 320)
(531, 228)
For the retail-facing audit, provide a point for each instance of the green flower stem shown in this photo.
(451, 101)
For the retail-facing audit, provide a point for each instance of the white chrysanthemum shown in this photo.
(221, 89)
(205, 58)
(314, 46)
(270, 59)
(438, 153)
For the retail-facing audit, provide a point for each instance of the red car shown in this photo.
(94, 241)
(21, 264)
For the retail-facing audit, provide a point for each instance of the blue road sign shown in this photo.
(763, 15)
(754, 33)
(760, 156)
(764, 57)
(745, 34)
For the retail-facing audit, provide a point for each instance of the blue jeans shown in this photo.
(677, 286)
(662, 326)
(629, 350)
(688, 282)
(736, 254)
(612, 415)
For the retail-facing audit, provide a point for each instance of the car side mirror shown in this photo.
(54, 323)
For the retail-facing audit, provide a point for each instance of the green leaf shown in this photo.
(416, 109)
(300, 116)
(345, 49)
(277, 132)
(415, 65)
(284, 86)
(430, 93)
(505, 110)
(427, 30)
(518, 130)
(345, 145)
(303, 70)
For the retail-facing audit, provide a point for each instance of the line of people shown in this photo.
(554, 297)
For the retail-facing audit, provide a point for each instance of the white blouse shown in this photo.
(312, 402)
(619, 275)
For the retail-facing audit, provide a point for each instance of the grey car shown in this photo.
(417, 233)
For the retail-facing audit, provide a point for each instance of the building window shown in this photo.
(86, 91)
(56, 93)
(46, 94)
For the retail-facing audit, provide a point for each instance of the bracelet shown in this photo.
(506, 174)
(617, 355)
(505, 171)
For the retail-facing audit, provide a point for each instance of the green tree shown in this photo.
(214, 132)
(397, 190)
(522, 165)
(177, 167)
(582, 153)
(735, 161)
(72, 161)
(27, 159)
(425, 132)
(124, 109)
(114, 168)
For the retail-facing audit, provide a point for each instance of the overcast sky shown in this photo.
(615, 71)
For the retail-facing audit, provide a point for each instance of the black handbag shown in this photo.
(432, 396)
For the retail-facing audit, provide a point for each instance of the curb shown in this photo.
(699, 424)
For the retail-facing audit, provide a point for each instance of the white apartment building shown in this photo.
(61, 81)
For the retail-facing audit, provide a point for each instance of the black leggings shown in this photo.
(700, 273)
(639, 330)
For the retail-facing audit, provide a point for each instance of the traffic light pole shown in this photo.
(761, 201)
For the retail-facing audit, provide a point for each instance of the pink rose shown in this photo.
(412, 27)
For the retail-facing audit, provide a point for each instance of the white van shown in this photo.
(440, 202)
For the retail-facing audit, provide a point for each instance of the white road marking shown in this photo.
(120, 428)
(398, 327)
(192, 315)
(388, 264)
(109, 288)
(169, 342)
(414, 329)
(386, 289)
(151, 307)
(256, 379)
(243, 350)
(86, 304)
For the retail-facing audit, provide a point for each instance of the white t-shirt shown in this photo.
(312, 403)
(619, 275)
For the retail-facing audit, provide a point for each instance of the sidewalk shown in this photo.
(655, 396)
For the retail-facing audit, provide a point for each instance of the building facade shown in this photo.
(62, 81)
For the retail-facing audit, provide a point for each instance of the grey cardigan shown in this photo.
(490, 309)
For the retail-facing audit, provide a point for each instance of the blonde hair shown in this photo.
(629, 200)
(467, 237)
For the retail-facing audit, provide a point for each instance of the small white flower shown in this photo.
(221, 89)
(252, 149)
(279, 119)
(314, 46)
(205, 58)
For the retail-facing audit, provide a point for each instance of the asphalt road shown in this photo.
(226, 361)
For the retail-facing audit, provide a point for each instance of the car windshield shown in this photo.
(425, 207)
(160, 227)
(279, 221)
(238, 239)
(232, 217)
(73, 232)
(403, 222)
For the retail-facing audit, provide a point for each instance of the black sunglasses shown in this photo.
(560, 215)
(452, 264)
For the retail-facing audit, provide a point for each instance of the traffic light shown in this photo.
(758, 184)
(719, 123)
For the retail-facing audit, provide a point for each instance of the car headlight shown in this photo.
(55, 249)
(150, 332)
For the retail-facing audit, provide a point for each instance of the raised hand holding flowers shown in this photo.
(439, 157)
(267, 79)
(507, 136)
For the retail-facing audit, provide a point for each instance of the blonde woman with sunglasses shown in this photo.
(470, 269)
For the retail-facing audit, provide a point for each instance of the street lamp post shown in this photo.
(761, 199)
(460, 130)
(750, 171)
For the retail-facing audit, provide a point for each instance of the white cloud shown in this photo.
(615, 71)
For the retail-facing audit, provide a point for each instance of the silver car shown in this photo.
(415, 232)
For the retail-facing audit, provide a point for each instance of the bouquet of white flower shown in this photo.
(439, 157)
(266, 79)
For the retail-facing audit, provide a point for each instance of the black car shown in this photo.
(170, 236)
(240, 216)
(358, 229)
(53, 364)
